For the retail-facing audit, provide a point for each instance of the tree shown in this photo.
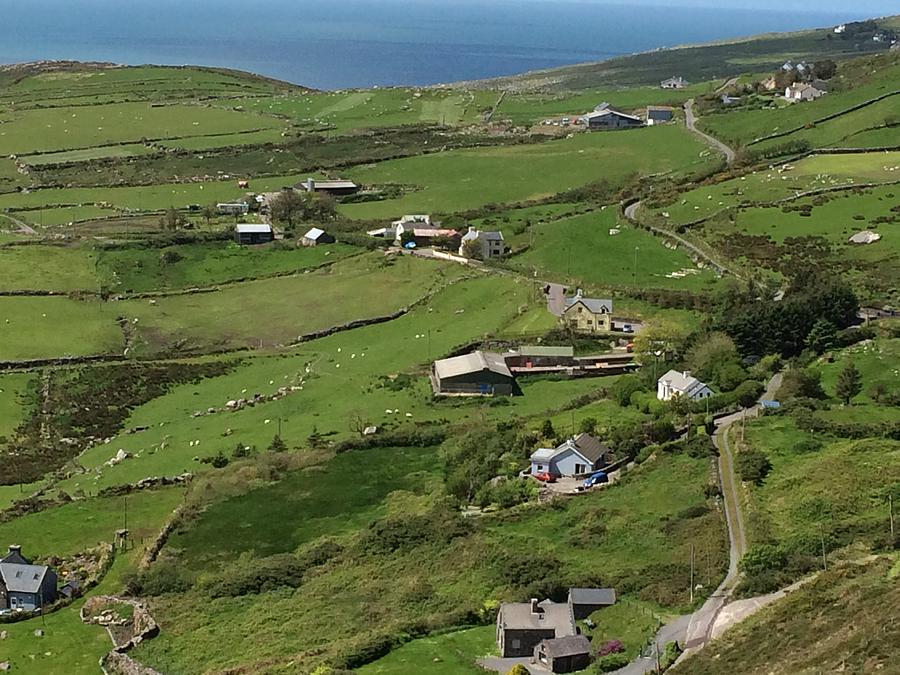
(824, 69)
(752, 465)
(171, 220)
(472, 249)
(747, 392)
(287, 208)
(878, 392)
(547, 430)
(821, 336)
(801, 383)
(209, 212)
(709, 352)
(624, 387)
(588, 425)
(277, 444)
(849, 383)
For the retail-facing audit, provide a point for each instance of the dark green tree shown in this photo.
(752, 465)
(277, 444)
(821, 336)
(849, 383)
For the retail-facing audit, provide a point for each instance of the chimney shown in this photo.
(15, 548)
(535, 607)
(687, 373)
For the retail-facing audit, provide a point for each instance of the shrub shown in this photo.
(611, 647)
(257, 576)
(625, 387)
(752, 465)
(763, 558)
(518, 669)
(610, 662)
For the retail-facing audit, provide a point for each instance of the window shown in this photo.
(516, 644)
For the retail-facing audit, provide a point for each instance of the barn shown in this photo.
(476, 374)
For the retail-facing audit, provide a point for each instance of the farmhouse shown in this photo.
(586, 601)
(675, 383)
(316, 236)
(336, 188)
(609, 119)
(476, 374)
(578, 456)
(564, 655)
(488, 244)
(232, 208)
(587, 315)
(802, 92)
(521, 626)
(674, 83)
(410, 224)
(657, 114)
(25, 587)
(253, 233)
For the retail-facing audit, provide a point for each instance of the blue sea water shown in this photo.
(360, 43)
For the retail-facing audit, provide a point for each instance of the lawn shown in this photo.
(12, 387)
(583, 250)
(452, 653)
(463, 179)
(188, 265)
(47, 268)
(225, 140)
(276, 311)
(878, 362)
(47, 327)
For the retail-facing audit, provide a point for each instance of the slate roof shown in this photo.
(683, 382)
(15, 556)
(22, 578)
(655, 112)
(475, 362)
(609, 111)
(555, 615)
(252, 228)
(546, 351)
(592, 596)
(590, 447)
(593, 305)
(570, 645)
(474, 234)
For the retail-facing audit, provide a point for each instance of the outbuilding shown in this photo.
(253, 233)
(564, 654)
(657, 114)
(609, 119)
(476, 374)
(336, 188)
(586, 601)
(316, 236)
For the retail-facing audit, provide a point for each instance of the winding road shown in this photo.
(691, 121)
(694, 631)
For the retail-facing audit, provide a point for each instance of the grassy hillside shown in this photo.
(845, 621)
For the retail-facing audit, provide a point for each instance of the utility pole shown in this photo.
(824, 559)
(125, 511)
(692, 574)
(891, 512)
(634, 271)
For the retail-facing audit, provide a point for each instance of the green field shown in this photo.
(463, 179)
(47, 327)
(445, 654)
(12, 387)
(50, 268)
(277, 311)
(582, 248)
(147, 269)
(87, 154)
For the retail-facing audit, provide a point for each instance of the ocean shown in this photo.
(333, 44)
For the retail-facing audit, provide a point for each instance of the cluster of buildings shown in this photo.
(605, 118)
(420, 231)
(547, 632)
(24, 586)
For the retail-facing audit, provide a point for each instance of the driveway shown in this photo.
(504, 665)
(556, 298)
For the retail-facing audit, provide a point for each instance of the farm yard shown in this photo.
(330, 504)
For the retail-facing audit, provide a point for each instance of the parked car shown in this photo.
(595, 479)
(545, 477)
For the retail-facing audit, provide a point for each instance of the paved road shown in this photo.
(727, 85)
(693, 631)
(24, 227)
(556, 299)
(715, 143)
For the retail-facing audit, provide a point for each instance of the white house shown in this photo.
(674, 83)
(492, 244)
(801, 91)
(675, 383)
(576, 457)
(413, 222)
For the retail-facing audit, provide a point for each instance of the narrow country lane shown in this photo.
(691, 121)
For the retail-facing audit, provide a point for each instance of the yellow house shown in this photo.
(588, 315)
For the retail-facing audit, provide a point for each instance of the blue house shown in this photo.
(25, 587)
(578, 456)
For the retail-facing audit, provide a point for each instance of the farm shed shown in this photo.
(316, 236)
(586, 601)
(657, 114)
(564, 654)
(476, 374)
(609, 119)
(521, 626)
(540, 356)
(253, 233)
(232, 208)
(336, 188)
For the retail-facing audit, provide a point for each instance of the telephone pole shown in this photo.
(692, 574)
(891, 512)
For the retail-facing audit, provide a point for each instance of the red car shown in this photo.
(545, 477)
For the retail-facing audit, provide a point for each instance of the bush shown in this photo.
(625, 387)
(763, 558)
(752, 465)
(747, 393)
(519, 669)
(164, 576)
(610, 662)
(257, 576)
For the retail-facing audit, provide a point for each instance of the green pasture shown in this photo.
(516, 223)
(347, 110)
(98, 85)
(276, 311)
(812, 173)
(10, 178)
(187, 265)
(743, 126)
(53, 129)
(138, 198)
(343, 495)
(50, 268)
(225, 140)
(533, 108)
(883, 137)
(582, 248)
(82, 524)
(47, 327)
(452, 653)
(12, 387)
(87, 154)
(462, 179)
(63, 216)
(335, 380)
(878, 361)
